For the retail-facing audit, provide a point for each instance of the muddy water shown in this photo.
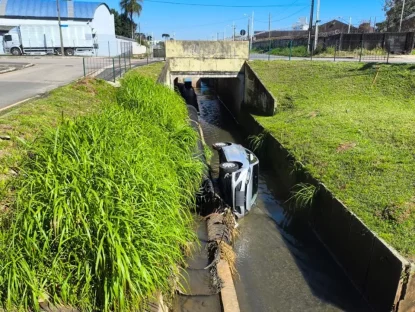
(282, 266)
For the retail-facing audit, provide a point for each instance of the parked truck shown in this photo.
(45, 39)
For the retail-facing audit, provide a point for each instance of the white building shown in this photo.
(43, 12)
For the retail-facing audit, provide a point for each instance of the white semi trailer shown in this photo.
(45, 39)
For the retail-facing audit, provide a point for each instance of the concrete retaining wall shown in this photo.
(384, 278)
(258, 99)
(208, 49)
(231, 91)
(164, 77)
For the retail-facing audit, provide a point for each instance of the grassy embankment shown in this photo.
(352, 125)
(99, 213)
(151, 71)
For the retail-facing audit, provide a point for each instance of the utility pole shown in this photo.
(252, 30)
(317, 22)
(60, 26)
(139, 32)
(269, 37)
(248, 33)
(350, 25)
(217, 36)
(224, 34)
(234, 27)
(310, 27)
(403, 9)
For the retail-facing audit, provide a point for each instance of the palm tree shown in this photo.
(131, 7)
(165, 36)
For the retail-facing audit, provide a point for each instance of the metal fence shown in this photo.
(379, 47)
(109, 68)
(359, 50)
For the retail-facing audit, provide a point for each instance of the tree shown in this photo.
(123, 24)
(365, 27)
(165, 36)
(393, 11)
(131, 7)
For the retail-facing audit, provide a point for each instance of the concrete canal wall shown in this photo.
(380, 273)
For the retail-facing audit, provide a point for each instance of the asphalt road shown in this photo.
(46, 74)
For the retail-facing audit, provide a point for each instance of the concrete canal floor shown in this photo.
(282, 265)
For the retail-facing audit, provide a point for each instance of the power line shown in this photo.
(282, 11)
(288, 16)
(210, 24)
(224, 5)
(296, 12)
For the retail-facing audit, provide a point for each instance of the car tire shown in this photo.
(69, 52)
(219, 145)
(16, 52)
(229, 167)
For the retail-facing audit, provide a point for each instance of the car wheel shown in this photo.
(229, 167)
(69, 52)
(16, 52)
(220, 145)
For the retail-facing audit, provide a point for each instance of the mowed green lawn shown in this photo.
(353, 126)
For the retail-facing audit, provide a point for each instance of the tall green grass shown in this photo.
(102, 209)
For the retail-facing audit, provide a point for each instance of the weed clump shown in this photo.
(102, 214)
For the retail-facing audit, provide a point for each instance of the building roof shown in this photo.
(47, 9)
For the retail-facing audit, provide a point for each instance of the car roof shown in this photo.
(236, 152)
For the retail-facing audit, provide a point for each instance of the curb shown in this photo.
(228, 292)
(28, 65)
(8, 70)
(11, 69)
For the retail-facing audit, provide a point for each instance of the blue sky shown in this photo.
(197, 22)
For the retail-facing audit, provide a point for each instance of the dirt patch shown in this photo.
(399, 213)
(86, 85)
(314, 114)
(345, 147)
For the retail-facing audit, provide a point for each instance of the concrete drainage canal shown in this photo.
(281, 265)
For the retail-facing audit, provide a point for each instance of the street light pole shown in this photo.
(252, 30)
(60, 26)
(317, 22)
(403, 9)
(234, 27)
(310, 27)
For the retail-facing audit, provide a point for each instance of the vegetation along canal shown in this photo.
(282, 265)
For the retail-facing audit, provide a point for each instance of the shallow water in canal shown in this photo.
(282, 265)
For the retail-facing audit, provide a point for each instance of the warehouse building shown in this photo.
(44, 12)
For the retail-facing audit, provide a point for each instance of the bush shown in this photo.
(299, 51)
(102, 209)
